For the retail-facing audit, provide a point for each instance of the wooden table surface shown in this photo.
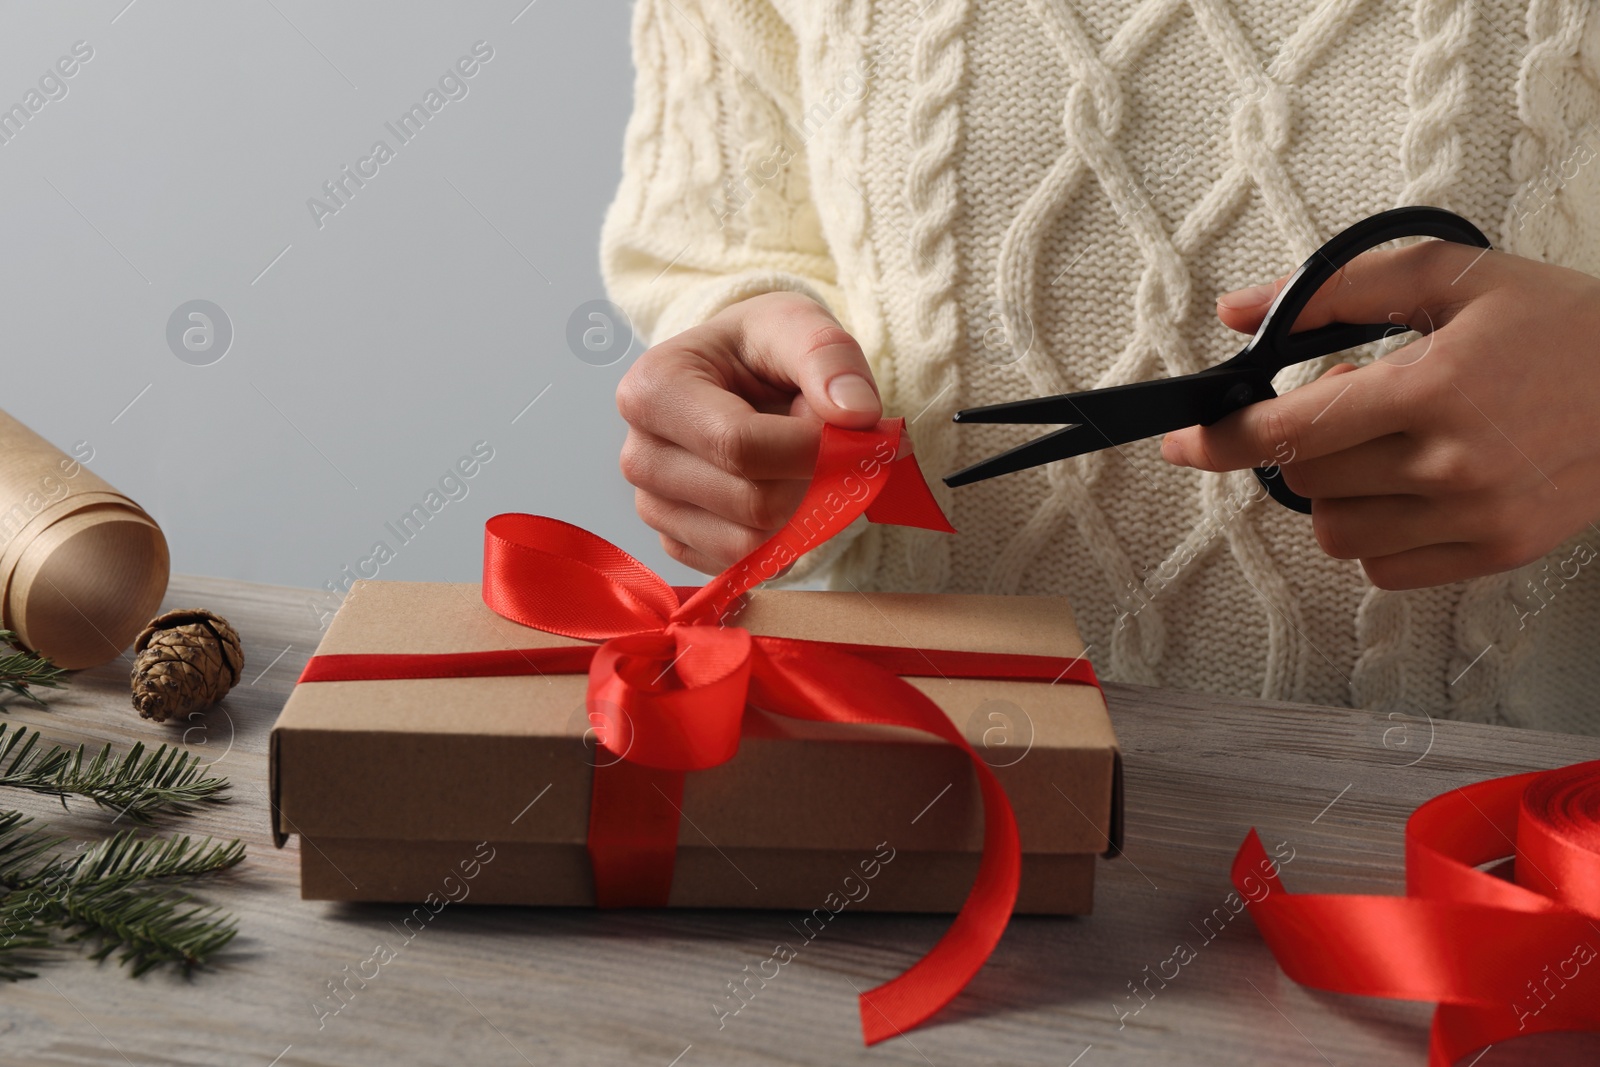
(497, 985)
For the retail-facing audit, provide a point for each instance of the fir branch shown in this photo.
(22, 670)
(126, 857)
(19, 848)
(166, 781)
(20, 926)
(122, 893)
(149, 928)
(22, 932)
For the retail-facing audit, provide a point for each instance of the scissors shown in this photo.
(1106, 418)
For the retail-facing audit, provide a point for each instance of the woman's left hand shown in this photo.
(1471, 450)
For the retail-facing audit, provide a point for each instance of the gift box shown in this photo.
(576, 731)
(393, 784)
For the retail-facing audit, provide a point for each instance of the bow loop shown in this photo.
(554, 576)
(673, 699)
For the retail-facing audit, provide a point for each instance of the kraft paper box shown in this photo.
(395, 786)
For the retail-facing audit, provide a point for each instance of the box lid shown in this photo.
(511, 759)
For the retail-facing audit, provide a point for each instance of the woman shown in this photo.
(831, 210)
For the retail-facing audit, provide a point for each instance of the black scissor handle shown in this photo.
(1271, 478)
(1273, 347)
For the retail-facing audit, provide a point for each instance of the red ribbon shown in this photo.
(669, 686)
(1500, 957)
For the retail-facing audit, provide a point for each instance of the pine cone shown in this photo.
(185, 660)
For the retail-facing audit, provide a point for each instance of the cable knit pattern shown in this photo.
(930, 384)
(1438, 90)
(833, 143)
(1492, 646)
(1092, 117)
(1019, 197)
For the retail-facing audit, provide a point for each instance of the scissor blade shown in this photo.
(1125, 412)
(1062, 444)
(1104, 418)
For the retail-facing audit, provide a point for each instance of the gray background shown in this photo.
(369, 356)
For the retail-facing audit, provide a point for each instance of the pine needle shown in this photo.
(20, 847)
(126, 857)
(166, 781)
(149, 928)
(20, 926)
(21, 670)
(22, 932)
(122, 893)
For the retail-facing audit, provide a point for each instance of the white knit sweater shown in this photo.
(1008, 198)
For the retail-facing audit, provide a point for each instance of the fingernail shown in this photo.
(1254, 296)
(1172, 452)
(853, 393)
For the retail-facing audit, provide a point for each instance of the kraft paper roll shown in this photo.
(82, 567)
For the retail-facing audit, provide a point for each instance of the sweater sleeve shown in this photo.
(714, 203)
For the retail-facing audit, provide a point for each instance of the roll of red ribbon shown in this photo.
(1502, 957)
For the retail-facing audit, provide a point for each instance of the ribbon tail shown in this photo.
(906, 499)
(906, 1002)
(804, 680)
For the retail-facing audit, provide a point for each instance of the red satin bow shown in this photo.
(1501, 958)
(669, 686)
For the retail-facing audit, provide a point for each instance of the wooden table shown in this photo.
(492, 985)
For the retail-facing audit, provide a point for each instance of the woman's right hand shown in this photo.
(724, 422)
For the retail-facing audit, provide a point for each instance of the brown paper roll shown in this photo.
(82, 567)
